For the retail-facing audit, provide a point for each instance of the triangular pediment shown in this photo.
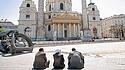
(66, 16)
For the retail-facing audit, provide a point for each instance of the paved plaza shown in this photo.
(98, 56)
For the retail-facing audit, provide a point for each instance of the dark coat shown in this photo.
(40, 60)
(58, 61)
(75, 64)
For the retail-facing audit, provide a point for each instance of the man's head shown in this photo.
(57, 51)
(41, 49)
(73, 49)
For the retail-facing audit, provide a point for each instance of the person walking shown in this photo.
(40, 61)
(58, 60)
(75, 60)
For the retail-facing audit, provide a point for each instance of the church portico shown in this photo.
(65, 25)
(65, 30)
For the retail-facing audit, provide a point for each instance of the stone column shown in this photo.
(87, 36)
(74, 26)
(70, 29)
(53, 27)
(84, 15)
(54, 32)
(58, 27)
(41, 22)
(78, 30)
(63, 30)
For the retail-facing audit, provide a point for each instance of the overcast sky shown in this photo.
(9, 9)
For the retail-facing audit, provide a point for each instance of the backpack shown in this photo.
(75, 60)
(57, 61)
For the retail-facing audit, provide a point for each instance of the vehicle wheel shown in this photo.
(25, 39)
(21, 40)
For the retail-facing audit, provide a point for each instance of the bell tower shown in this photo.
(27, 18)
(94, 19)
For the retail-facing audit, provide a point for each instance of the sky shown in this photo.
(9, 9)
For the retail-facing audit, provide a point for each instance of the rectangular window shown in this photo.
(27, 16)
(94, 18)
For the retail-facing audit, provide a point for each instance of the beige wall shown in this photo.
(111, 21)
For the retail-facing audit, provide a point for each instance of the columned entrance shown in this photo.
(66, 26)
(65, 33)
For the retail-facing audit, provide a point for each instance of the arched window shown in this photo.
(49, 27)
(94, 18)
(49, 7)
(95, 32)
(61, 6)
(49, 17)
(93, 9)
(28, 5)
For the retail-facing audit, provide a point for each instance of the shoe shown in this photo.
(47, 65)
(2, 54)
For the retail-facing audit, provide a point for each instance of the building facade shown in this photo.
(113, 26)
(7, 25)
(27, 18)
(58, 22)
(94, 20)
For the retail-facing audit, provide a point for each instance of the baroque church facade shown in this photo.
(58, 22)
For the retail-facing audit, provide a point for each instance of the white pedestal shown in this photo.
(87, 36)
(55, 36)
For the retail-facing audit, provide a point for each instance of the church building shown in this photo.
(58, 21)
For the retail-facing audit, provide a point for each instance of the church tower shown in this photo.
(27, 18)
(40, 23)
(94, 19)
(58, 5)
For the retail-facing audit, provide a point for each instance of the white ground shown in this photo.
(98, 56)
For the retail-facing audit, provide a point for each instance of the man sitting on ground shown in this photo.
(41, 60)
(75, 60)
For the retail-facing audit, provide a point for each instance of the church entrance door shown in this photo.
(65, 33)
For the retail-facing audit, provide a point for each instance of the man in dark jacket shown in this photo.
(41, 60)
(75, 60)
(58, 60)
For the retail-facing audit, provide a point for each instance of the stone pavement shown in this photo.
(99, 56)
(74, 42)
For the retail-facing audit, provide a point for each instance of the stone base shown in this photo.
(40, 38)
(87, 36)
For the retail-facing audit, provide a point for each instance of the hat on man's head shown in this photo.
(41, 49)
(57, 51)
(73, 49)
